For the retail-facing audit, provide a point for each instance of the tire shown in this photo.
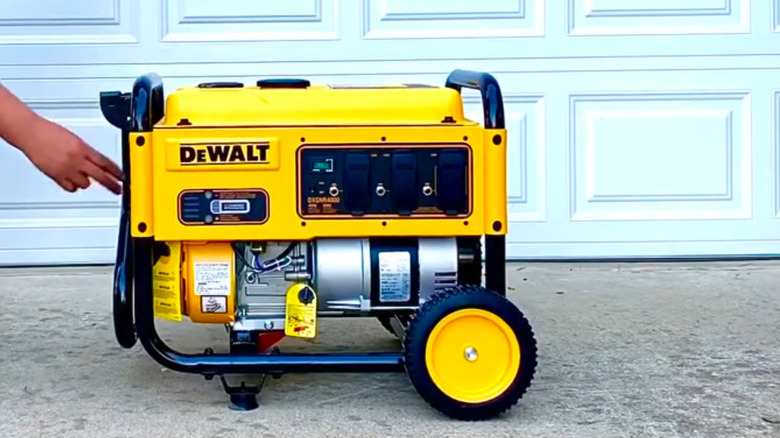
(493, 330)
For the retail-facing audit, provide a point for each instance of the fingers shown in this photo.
(106, 180)
(105, 163)
(80, 180)
(67, 185)
(102, 169)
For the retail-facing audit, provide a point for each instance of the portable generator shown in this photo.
(266, 207)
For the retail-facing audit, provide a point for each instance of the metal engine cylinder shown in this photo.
(361, 275)
(356, 277)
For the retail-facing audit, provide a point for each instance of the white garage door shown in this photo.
(638, 127)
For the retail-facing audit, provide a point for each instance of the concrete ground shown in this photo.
(626, 350)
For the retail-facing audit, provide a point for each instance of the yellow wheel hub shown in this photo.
(472, 355)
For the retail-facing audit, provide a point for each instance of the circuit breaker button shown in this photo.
(451, 182)
(357, 190)
(403, 188)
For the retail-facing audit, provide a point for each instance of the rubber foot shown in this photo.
(243, 402)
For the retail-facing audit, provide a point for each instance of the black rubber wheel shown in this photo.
(444, 305)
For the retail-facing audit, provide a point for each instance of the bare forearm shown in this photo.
(16, 119)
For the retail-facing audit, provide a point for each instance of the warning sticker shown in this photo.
(212, 278)
(166, 285)
(213, 304)
(395, 276)
(300, 312)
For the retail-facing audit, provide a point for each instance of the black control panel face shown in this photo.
(223, 207)
(387, 180)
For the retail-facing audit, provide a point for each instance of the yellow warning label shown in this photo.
(301, 312)
(166, 284)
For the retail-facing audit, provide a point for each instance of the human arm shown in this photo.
(53, 149)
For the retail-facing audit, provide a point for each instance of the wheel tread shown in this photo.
(468, 296)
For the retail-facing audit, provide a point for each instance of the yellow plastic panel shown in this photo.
(495, 182)
(319, 105)
(166, 284)
(210, 282)
(280, 183)
(141, 217)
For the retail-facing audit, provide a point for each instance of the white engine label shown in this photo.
(212, 278)
(395, 277)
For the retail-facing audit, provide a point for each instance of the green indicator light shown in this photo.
(322, 165)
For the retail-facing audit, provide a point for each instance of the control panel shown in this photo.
(223, 207)
(384, 180)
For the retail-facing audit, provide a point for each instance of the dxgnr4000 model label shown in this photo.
(395, 277)
(212, 278)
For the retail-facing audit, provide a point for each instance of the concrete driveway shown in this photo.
(627, 350)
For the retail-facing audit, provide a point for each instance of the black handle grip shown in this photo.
(147, 106)
(492, 101)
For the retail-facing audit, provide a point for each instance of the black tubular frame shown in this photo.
(115, 107)
(134, 318)
(493, 112)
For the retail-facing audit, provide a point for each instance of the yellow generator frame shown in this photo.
(395, 173)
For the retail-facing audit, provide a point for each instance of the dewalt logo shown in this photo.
(226, 153)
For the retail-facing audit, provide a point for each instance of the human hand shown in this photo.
(67, 159)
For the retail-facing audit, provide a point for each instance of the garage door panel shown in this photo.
(636, 127)
(246, 20)
(526, 153)
(194, 31)
(683, 157)
(776, 16)
(403, 19)
(53, 243)
(658, 17)
(776, 153)
(60, 23)
(641, 250)
(661, 156)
